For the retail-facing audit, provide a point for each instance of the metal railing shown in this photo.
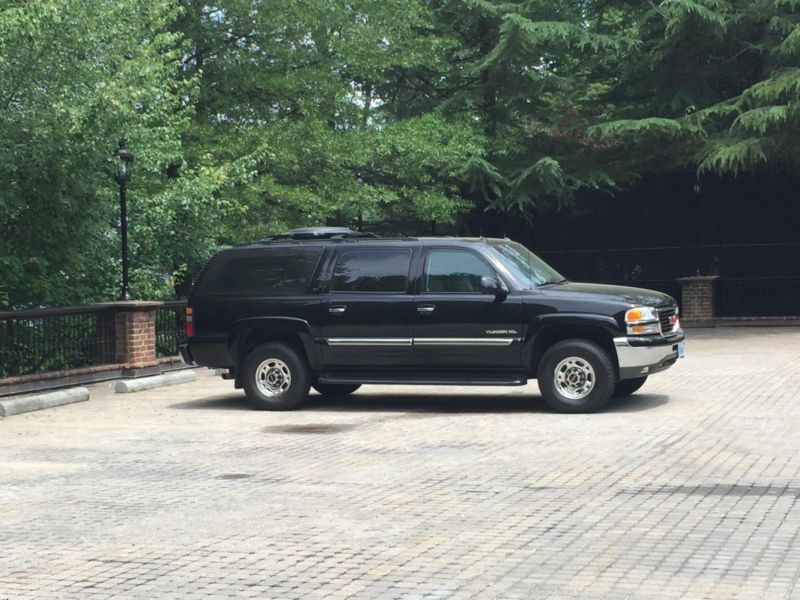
(170, 328)
(758, 297)
(56, 339)
(60, 339)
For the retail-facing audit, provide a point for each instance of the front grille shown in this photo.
(664, 316)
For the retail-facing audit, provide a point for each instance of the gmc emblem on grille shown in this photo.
(673, 320)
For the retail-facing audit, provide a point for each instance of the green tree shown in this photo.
(714, 87)
(594, 95)
(293, 123)
(249, 117)
(521, 71)
(75, 77)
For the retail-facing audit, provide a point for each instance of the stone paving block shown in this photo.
(687, 489)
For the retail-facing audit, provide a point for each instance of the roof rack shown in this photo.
(320, 233)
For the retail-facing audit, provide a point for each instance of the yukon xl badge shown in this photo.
(501, 331)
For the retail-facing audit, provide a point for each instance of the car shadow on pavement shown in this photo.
(364, 401)
(636, 403)
(466, 403)
(382, 402)
(232, 401)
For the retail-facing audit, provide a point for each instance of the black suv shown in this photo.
(332, 309)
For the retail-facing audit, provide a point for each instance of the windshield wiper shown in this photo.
(555, 281)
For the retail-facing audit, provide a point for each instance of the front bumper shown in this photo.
(640, 357)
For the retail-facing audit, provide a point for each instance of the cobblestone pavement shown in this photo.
(689, 489)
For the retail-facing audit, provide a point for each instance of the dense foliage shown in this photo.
(248, 117)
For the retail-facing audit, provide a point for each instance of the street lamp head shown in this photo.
(125, 167)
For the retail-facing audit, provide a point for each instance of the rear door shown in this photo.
(457, 325)
(367, 308)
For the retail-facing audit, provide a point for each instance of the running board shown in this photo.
(415, 379)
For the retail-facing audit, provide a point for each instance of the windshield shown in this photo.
(524, 266)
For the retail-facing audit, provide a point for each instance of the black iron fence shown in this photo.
(754, 279)
(755, 297)
(57, 339)
(170, 328)
(60, 339)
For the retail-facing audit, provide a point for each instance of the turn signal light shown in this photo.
(645, 329)
(641, 314)
(634, 314)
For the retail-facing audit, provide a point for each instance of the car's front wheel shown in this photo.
(576, 376)
(275, 377)
(626, 387)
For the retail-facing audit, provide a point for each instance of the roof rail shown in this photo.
(319, 233)
(356, 235)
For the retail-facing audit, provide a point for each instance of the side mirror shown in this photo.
(491, 284)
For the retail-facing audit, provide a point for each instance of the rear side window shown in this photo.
(277, 271)
(372, 270)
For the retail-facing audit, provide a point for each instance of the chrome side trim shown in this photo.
(464, 341)
(420, 341)
(368, 341)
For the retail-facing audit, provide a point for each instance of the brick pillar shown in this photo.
(698, 297)
(135, 325)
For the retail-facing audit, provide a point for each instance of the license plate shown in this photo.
(681, 350)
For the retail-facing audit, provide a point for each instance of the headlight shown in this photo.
(642, 320)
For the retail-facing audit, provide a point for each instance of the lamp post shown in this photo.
(124, 172)
(360, 226)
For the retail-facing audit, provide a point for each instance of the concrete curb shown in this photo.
(148, 383)
(23, 404)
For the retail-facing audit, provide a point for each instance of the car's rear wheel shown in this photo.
(335, 389)
(626, 387)
(275, 377)
(576, 376)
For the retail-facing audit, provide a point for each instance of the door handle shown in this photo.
(337, 310)
(426, 309)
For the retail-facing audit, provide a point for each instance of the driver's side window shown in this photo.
(454, 271)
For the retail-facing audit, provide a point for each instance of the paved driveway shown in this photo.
(690, 489)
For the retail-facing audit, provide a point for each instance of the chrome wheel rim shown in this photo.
(574, 378)
(273, 377)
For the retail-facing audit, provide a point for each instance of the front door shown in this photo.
(368, 310)
(458, 325)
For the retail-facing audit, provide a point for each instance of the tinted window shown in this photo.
(527, 268)
(454, 271)
(371, 270)
(272, 271)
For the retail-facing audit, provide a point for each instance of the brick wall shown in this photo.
(697, 298)
(136, 334)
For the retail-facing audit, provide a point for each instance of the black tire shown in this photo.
(287, 362)
(335, 389)
(603, 372)
(626, 387)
